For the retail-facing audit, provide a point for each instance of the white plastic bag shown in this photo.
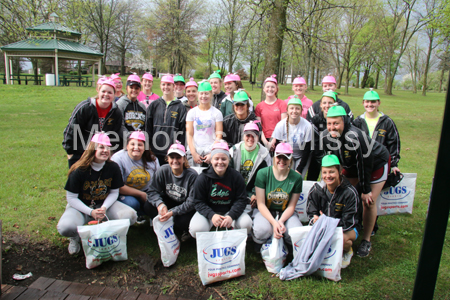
(300, 208)
(330, 267)
(274, 254)
(221, 254)
(104, 241)
(167, 240)
(398, 199)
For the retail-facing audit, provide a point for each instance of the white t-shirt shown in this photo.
(204, 127)
(298, 134)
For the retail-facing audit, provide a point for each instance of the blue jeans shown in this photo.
(133, 203)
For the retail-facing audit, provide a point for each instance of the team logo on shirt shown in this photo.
(246, 168)
(381, 132)
(138, 178)
(110, 121)
(278, 196)
(220, 193)
(174, 114)
(346, 154)
(97, 189)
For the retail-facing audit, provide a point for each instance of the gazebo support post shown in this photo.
(7, 68)
(100, 67)
(11, 69)
(56, 68)
(93, 74)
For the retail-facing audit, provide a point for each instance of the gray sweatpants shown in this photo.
(201, 224)
(71, 218)
(263, 230)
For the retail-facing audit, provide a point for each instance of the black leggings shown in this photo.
(181, 222)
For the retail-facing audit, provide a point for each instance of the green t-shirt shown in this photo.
(372, 123)
(278, 193)
(247, 161)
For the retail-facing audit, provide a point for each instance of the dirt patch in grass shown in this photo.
(141, 273)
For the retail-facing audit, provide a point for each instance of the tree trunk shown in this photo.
(427, 65)
(365, 77)
(357, 79)
(308, 64)
(275, 38)
(317, 76)
(347, 81)
(377, 78)
(441, 79)
(313, 66)
(122, 63)
(339, 82)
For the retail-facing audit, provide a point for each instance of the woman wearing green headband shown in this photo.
(365, 161)
(216, 83)
(296, 131)
(233, 125)
(204, 124)
(319, 124)
(338, 199)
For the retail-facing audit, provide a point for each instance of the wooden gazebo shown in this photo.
(51, 40)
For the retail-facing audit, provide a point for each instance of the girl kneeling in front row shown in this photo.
(277, 191)
(92, 190)
(337, 199)
(219, 195)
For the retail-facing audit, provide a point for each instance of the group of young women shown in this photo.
(253, 159)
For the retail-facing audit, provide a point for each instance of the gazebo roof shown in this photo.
(54, 27)
(50, 45)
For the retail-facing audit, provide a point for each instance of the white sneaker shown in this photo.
(74, 245)
(346, 258)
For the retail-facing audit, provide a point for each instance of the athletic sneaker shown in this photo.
(141, 220)
(74, 245)
(364, 248)
(346, 258)
(373, 233)
(185, 236)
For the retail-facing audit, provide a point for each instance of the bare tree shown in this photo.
(101, 20)
(400, 24)
(124, 38)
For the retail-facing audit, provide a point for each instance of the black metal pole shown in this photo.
(438, 212)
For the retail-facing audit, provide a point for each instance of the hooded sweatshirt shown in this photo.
(385, 133)
(217, 99)
(165, 121)
(344, 204)
(133, 113)
(233, 128)
(352, 149)
(166, 187)
(315, 109)
(222, 195)
(263, 160)
(85, 122)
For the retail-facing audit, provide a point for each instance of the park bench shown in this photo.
(25, 78)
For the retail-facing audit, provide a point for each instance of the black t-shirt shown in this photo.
(93, 185)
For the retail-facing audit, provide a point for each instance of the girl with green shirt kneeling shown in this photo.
(277, 191)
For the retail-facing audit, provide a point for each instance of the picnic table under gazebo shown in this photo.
(56, 41)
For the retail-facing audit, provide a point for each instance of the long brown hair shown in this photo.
(86, 159)
(239, 86)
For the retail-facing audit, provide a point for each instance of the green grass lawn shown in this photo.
(33, 171)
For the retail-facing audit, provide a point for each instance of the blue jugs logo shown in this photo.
(220, 253)
(395, 193)
(301, 199)
(330, 253)
(298, 243)
(167, 233)
(104, 242)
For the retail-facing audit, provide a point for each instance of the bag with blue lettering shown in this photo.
(274, 254)
(300, 207)
(398, 199)
(104, 241)
(221, 254)
(331, 265)
(167, 240)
